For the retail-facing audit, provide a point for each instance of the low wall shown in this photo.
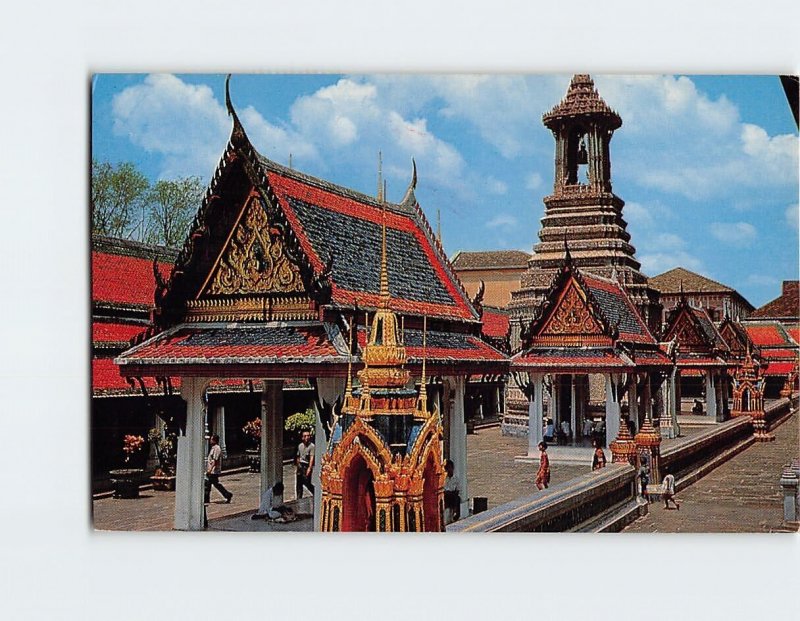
(563, 507)
(606, 499)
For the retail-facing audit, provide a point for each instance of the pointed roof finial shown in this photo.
(348, 392)
(439, 225)
(238, 133)
(422, 401)
(410, 199)
(228, 104)
(290, 161)
(567, 255)
(380, 177)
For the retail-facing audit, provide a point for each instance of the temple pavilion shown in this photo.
(590, 328)
(277, 280)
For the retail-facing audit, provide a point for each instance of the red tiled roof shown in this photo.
(106, 380)
(780, 368)
(443, 347)
(495, 324)
(418, 278)
(795, 334)
(103, 332)
(242, 345)
(673, 280)
(685, 360)
(124, 279)
(569, 358)
(654, 357)
(779, 353)
(766, 334)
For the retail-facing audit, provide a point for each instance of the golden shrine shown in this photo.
(383, 469)
(748, 396)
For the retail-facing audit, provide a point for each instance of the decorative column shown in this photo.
(219, 428)
(649, 439)
(711, 394)
(673, 388)
(612, 408)
(633, 398)
(458, 438)
(555, 387)
(623, 448)
(535, 413)
(330, 390)
(573, 407)
(271, 434)
(789, 484)
(190, 473)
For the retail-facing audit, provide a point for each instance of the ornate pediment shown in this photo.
(571, 316)
(687, 333)
(254, 260)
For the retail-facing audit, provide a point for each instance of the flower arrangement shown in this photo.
(131, 444)
(253, 428)
(301, 421)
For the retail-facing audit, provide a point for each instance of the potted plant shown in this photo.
(166, 450)
(126, 480)
(301, 421)
(252, 430)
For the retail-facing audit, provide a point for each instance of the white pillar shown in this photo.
(219, 428)
(190, 474)
(555, 385)
(573, 408)
(612, 408)
(458, 439)
(674, 405)
(535, 414)
(711, 395)
(329, 390)
(271, 433)
(633, 399)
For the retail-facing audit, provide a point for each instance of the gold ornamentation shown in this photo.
(251, 308)
(572, 316)
(255, 260)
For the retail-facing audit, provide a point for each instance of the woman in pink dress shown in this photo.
(543, 474)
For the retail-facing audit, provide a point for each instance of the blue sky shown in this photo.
(707, 165)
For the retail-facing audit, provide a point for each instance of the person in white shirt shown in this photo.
(588, 428)
(267, 508)
(549, 431)
(213, 470)
(452, 494)
(669, 491)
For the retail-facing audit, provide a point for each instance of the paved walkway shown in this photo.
(741, 496)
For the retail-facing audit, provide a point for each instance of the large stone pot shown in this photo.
(254, 459)
(126, 482)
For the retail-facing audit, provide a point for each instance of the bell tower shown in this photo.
(583, 214)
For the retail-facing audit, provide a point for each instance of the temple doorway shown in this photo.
(358, 497)
(430, 497)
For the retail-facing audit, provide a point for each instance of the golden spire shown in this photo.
(348, 392)
(380, 178)
(422, 401)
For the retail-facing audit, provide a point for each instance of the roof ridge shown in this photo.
(132, 248)
(695, 274)
(329, 186)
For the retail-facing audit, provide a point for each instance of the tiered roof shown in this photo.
(582, 99)
(700, 345)
(775, 345)
(293, 257)
(588, 324)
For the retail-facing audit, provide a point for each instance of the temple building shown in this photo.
(702, 358)
(590, 328)
(719, 300)
(498, 272)
(274, 282)
(583, 210)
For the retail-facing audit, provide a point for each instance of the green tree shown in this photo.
(171, 207)
(117, 195)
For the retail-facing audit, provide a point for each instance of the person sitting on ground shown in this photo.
(267, 510)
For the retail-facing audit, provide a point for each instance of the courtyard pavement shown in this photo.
(742, 495)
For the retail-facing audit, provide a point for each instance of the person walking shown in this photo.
(213, 470)
(644, 474)
(669, 491)
(304, 462)
(543, 474)
(452, 494)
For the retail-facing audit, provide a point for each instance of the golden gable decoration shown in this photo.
(572, 316)
(254, 260)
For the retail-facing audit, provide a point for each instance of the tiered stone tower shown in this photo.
(583, 213)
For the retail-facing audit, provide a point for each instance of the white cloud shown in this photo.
(502, 220)
(762, 280)
(533, 181)
(189, 128)
(793, 216)
(666, 251)
(734, 233)
(495, 186)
